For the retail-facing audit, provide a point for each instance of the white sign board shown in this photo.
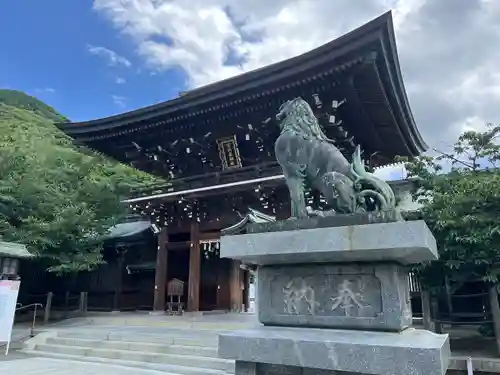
(9, 291)
(251, 298)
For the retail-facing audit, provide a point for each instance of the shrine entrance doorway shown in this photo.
(178, 268)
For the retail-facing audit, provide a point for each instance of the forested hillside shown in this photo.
(21, 100)
(54, 197)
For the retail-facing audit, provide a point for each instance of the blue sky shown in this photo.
(94, 58)
(77, 55)
(45, 52)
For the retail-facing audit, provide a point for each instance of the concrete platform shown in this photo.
(142, 326)
(406, 242)
(174, 351)
(45, 366)
(412, 351)
(134, 320)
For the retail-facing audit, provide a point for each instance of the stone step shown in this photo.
(168, 369)
(193, 350)
(177, 332)
(141, 356)
(170, 337)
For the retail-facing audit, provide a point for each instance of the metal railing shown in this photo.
(20, 307)
(35, 307)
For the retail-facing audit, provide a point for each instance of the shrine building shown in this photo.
(215, 147)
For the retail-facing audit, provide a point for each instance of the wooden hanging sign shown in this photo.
(229, 153)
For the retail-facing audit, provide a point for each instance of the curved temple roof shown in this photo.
(373, 43)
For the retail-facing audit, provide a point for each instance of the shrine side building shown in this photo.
(215, 147)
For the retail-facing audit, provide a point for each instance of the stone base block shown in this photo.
(252, 368)
(346, 296)
(297, 351)
(338, 220)
(404, 242)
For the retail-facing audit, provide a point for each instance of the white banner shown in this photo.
(9, 291)
(251, 297)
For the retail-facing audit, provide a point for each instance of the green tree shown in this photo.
(54, 197)
(461, 205)
(19, 99)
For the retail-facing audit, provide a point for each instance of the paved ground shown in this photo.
(19, 363)
(464, 341)
(13, 356)
(145, 318)
(145, 322)
(43, 366)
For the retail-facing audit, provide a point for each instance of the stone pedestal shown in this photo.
(311, 351)
(350, 296)
(333, 296)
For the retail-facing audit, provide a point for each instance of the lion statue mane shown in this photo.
(308, 157)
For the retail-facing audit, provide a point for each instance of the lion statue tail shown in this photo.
(377, 189)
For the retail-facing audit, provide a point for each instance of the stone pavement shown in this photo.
(194, 320)
(45, 366)
(144, 323)
(13, 355)
(124, 323)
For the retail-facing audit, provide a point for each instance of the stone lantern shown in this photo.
(10, 255)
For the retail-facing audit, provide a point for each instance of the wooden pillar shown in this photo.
(426, 310)
(449, 292)
(246, 274)
(83, 303)
(120, 260)
(438, 326)
(193, 303)
(48, 307)
(223, 293)
(235, 282)
(161, 272)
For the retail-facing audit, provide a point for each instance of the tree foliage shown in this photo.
(19, 99)
(54, 198)
(460, 197)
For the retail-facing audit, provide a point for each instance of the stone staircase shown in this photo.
(175, 351)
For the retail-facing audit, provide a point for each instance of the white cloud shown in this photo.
(447, 49)
(119, 101)
(120, 80)
(111, 57)
(48, 90)
(394, 172)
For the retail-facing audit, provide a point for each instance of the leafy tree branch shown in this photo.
(461, 205)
